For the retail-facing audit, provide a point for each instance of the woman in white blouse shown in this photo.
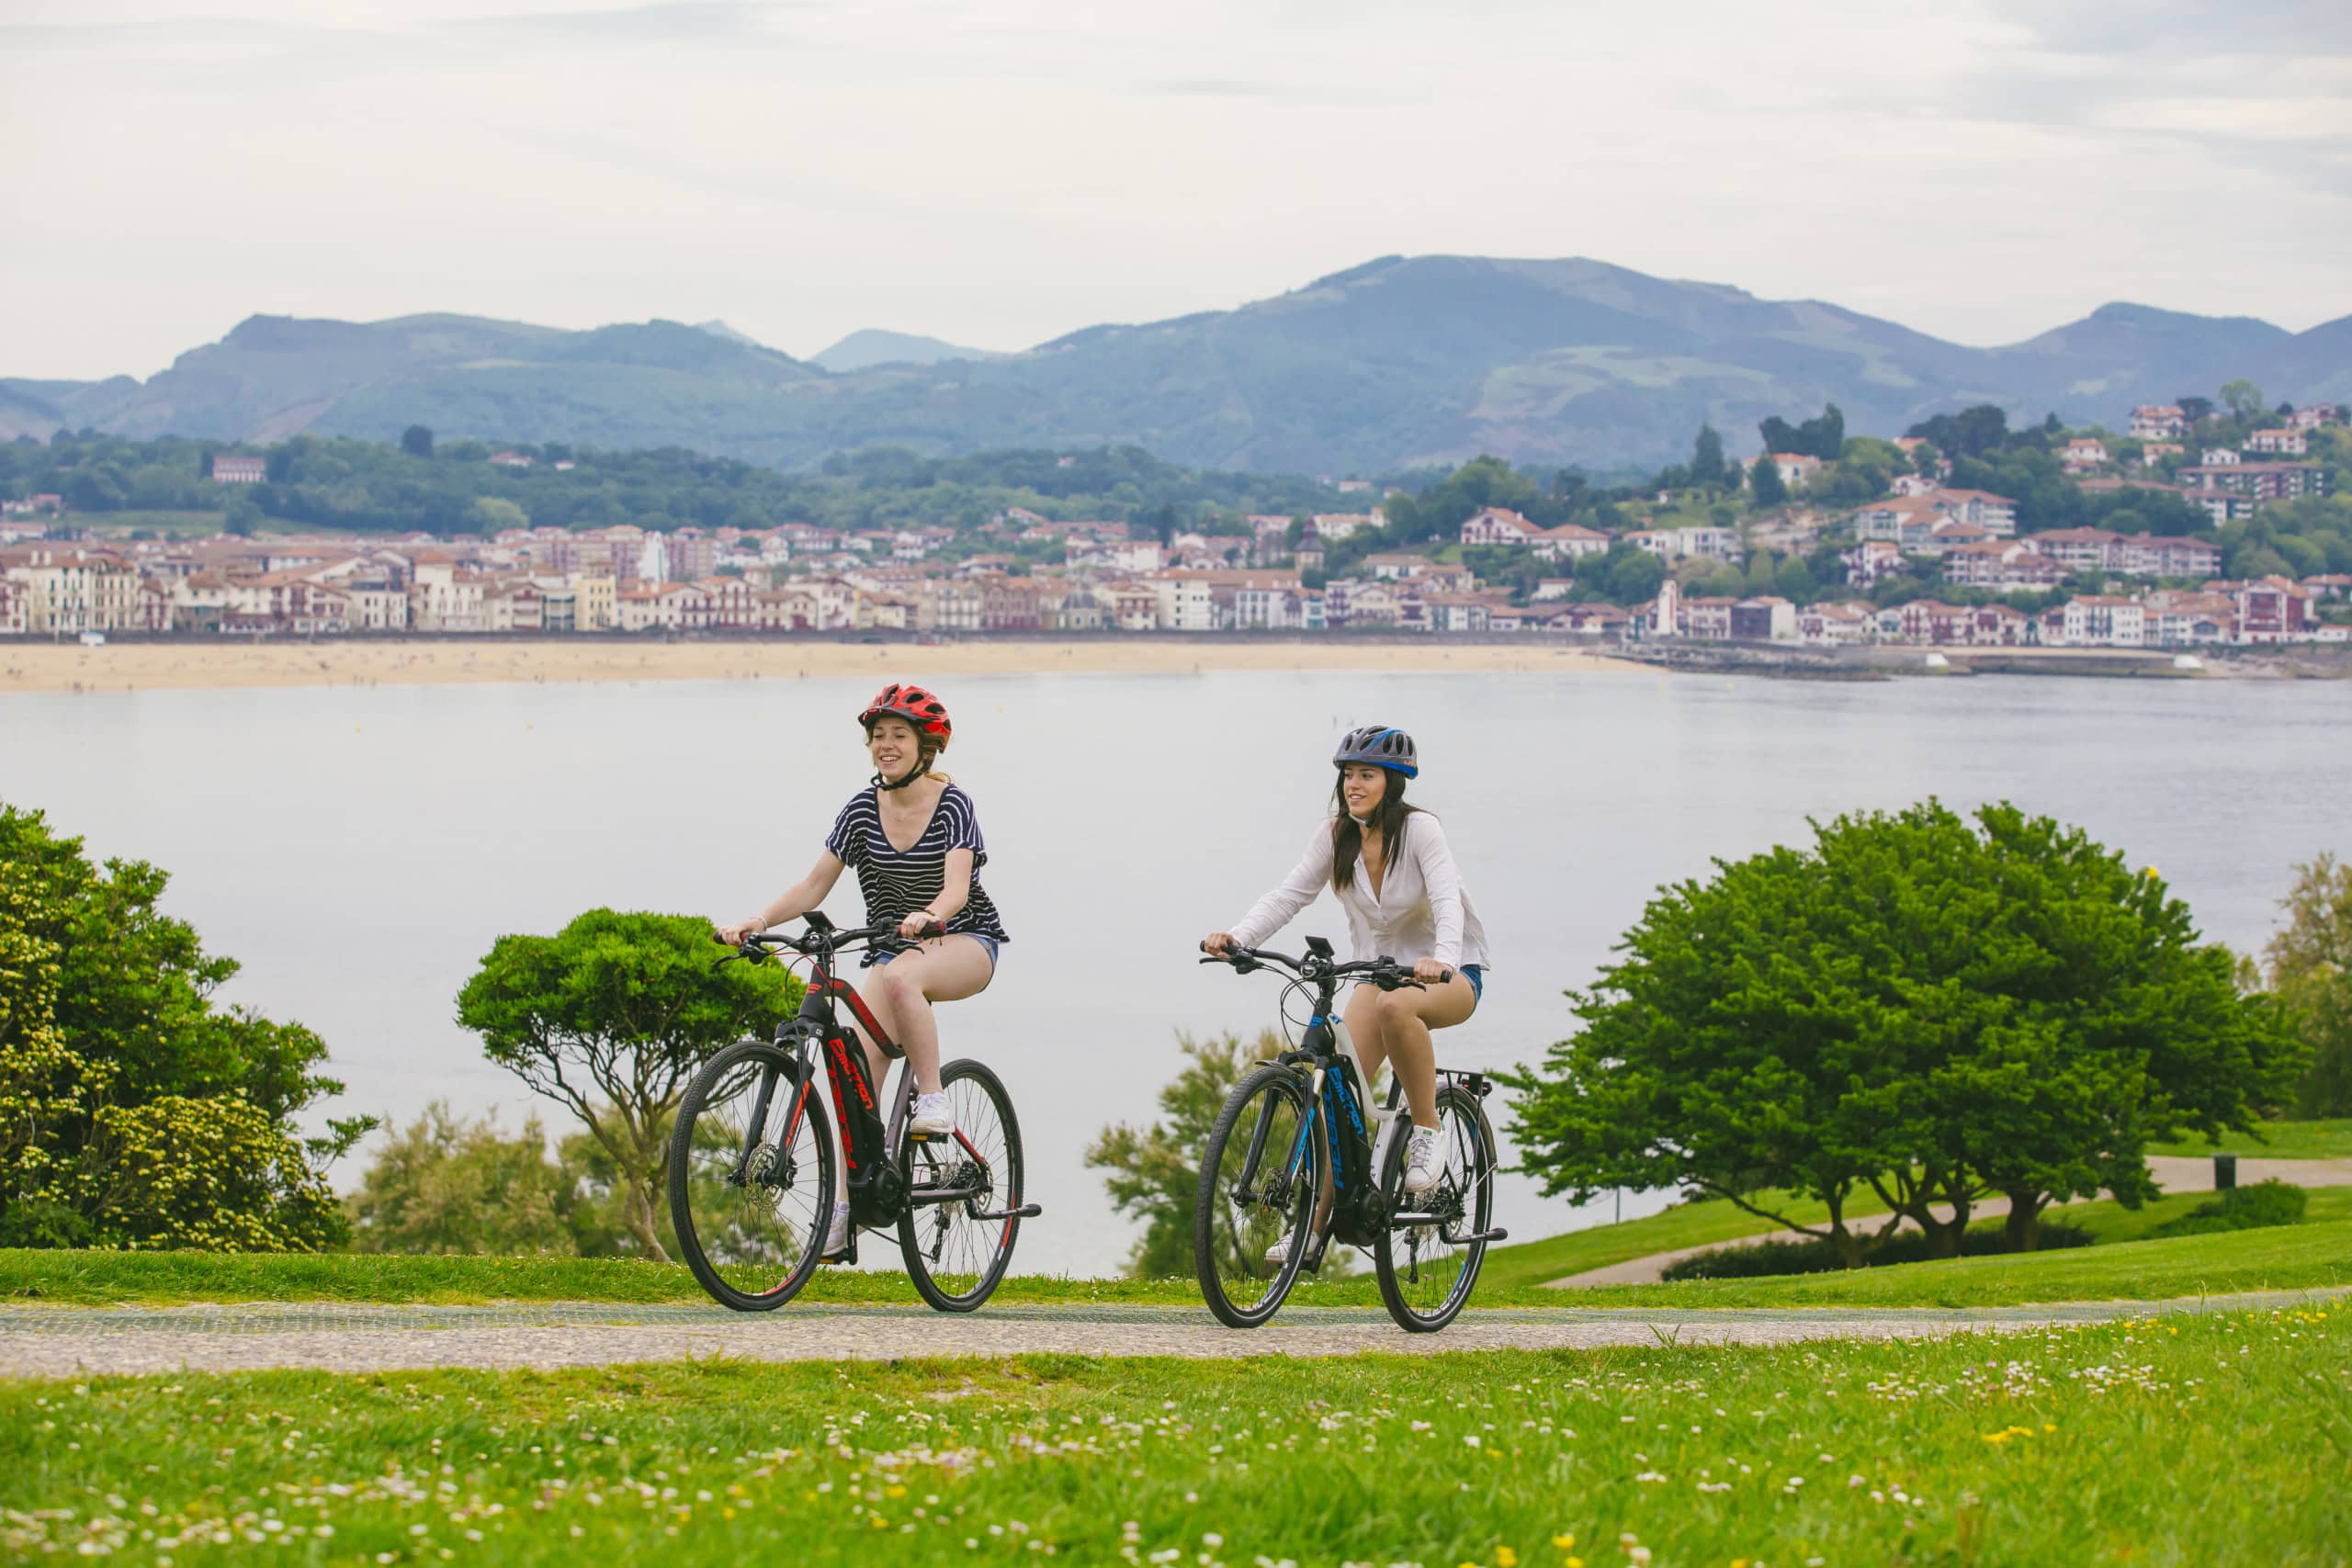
(1390, 865)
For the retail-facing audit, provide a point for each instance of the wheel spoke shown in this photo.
(1425, 1277)
(954, 1257)
(746, 1198)
(1246, 1206)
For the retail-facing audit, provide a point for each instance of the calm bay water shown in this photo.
(358, 850)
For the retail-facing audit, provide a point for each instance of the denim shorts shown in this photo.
(989, 945)
(1476, 974)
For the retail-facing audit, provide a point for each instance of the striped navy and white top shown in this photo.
(898, 882)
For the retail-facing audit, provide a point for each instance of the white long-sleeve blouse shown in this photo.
(1422, 911)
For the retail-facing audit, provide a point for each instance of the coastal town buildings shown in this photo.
(1925, 563)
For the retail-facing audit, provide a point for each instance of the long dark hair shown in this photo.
(1347, 839)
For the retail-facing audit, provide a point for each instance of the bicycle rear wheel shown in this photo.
(1425, 1279)
(955, 1257)
(750, 1177)
(1258, 1181)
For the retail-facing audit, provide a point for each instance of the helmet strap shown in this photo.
(921, 768)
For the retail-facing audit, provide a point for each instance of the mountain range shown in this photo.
(1399, 362)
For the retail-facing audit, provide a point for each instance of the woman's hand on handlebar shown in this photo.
(733, 935)
(1430, 971)
(1218, 944)
(920, 924)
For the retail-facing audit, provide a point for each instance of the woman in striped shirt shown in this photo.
(913, 837)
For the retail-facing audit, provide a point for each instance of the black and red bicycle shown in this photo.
(753, 1157)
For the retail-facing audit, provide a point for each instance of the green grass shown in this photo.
(2305, 1257)
(2109, 1221)
(2317, 1253)
(2185, 1439)
(1714, 1220)
(2276, 1140)
(173, 523)
(1686, 1224)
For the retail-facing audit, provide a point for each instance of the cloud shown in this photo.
(2194, 29)
(1006, 171)
(663, 21)
(1213, 87)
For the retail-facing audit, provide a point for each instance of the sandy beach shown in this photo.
(116, 667)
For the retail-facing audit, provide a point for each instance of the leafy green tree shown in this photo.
(133, 1111)
(1765, 484)
(1634, 576)
(1933, 1009)
(444, 1184)
(1823, 437)
(95, 489)
(610, 1018)
(417, 441)
(1795, 582)
(2197, 410)
(2311, 971)
(1708, 466)
(1155, 1169)
(1971, 433)
(2245, 400)
(491, 514)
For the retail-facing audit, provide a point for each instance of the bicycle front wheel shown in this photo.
(1426, 1270)
(955, 1255)
(1256, 1191)
(750, 1177)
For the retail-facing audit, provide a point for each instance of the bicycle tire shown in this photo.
(1470, 1169)
(1217, 1241)
(955, 1226)
(699, 1179)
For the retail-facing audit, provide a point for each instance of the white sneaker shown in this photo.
(837, 1233)
(934, 1117)
(1279, 1254)
(1424, 1161)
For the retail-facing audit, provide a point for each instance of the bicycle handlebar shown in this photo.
(756, 944)
(1384, 973)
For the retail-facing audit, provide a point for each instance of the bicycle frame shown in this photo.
(872, 1151)
(1357, 1133)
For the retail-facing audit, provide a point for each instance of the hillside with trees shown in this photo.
(451, 488)
(1397, 363)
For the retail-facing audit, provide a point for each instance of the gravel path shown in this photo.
(2174, 1173)
(72, 1341)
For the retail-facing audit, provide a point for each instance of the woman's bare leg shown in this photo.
(1404, 1019)
(943, 969)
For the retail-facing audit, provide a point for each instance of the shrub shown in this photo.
(1762, 1258)
(2272, 1202)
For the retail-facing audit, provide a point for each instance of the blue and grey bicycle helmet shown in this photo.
(1381, 746)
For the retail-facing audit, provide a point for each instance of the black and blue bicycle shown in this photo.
(1300, 1159)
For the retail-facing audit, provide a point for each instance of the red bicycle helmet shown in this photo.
(917, 707)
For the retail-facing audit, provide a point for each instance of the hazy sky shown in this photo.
(998, 174)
